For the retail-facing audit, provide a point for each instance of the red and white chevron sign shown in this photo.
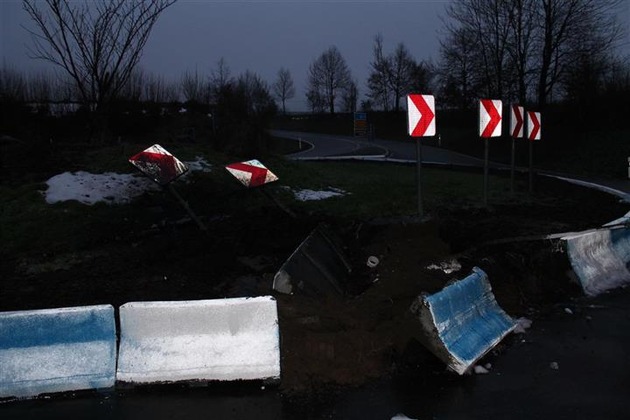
(251, 173)
(158, 164)
(421, 115)
(533, 125)
(490, 111)
(516, 121)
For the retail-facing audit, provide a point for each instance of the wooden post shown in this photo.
(187, 207)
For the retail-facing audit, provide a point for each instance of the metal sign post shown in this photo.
(533, 134)
(516, 131)
(419, 176)
(486, 171)
(531, 167)
(185, 205)
(254, 174)
(420, 123)
(490, 111)
(513, 154)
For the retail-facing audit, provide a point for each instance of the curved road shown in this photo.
(327, 146)
(331, 146)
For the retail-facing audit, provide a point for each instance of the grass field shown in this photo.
(370, 190)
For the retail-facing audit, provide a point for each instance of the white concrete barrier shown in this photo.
(600, 258)
(224, 339)
(462, 322)
(57, 350)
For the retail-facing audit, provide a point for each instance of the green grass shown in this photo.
(378, 190)
(30, 226)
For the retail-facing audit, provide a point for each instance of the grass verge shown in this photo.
(30, 226)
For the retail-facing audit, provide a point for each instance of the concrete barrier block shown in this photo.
(462, 322)
(600, 259)
(57, 350)
(224, 339)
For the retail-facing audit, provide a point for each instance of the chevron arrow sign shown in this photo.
(421, 115)
(533, 125)
(490, 111)
(251, 173)
(158, 164)
(516, 121)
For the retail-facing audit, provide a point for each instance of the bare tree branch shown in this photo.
(328, 77)
(283, 87)
(97, 44)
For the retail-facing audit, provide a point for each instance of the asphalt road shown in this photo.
(326, 146)
(566, 366)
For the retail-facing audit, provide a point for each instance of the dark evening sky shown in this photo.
(263, 36)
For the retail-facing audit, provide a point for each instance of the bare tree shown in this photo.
(521, 46)
(220, 79)
(378, 80)
(456, 72)
(315, 100)
(510, 46)
(255, 92)
(488, 22)
(283, 88)
(350, 97)
(329, 76)
(422, 75)
(12, 85)
(158, 90)
(572, 30)
(132, 90)
(393, 76)
(97, 43)
(402, 67)
(193, 87)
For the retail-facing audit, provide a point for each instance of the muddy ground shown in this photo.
(329, 342)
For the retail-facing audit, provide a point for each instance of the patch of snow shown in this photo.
(480, 370)
(109, 187)
(401, 416)
(88, 188)
(200, 164)
(310, 195)
(522, 324)
(447, 267)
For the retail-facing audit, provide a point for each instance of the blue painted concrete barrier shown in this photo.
(463, 321)
(600, 258)
(57, 350)
(204, 340)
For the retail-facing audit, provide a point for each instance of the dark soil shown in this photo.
(328, 341)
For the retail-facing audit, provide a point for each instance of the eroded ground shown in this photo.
(333, 341)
